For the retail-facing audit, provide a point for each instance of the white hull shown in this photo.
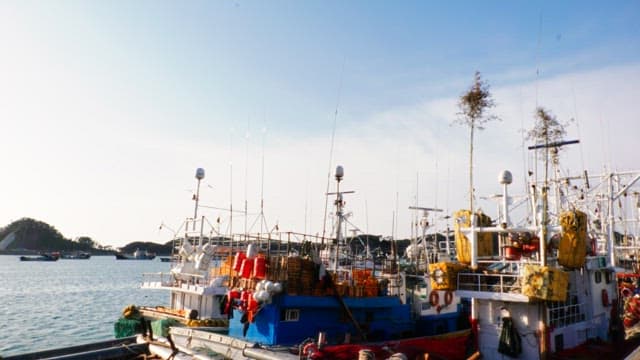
(205, 345)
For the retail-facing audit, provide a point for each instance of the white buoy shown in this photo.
(252, 251)
(268, 286)
(277, 288)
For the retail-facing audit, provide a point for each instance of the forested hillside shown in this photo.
(36, 236)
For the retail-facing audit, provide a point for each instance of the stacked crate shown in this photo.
(307, 277)
(294, 272)
(225, 269)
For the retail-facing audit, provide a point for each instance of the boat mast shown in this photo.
(545, 188)
(424, 225)
(339, 203)
(199, 176)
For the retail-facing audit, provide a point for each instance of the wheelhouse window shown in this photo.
(290, 315)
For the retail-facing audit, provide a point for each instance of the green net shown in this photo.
(127, 327)
(161, 327)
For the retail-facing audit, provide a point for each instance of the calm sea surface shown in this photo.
(46, 305)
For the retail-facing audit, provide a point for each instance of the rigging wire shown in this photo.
(333, 136)
(575, 117)
(231, 183)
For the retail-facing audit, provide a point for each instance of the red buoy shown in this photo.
(246, 268)
(260, 267)
(237, 261)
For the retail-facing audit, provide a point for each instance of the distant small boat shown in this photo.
(41, 257)
(137, 255)
(76, 256)
(165, 259)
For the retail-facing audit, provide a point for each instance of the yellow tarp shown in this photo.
(545, 283)
(462, 218)
(572, 249)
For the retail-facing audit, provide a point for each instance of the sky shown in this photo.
(108, 107)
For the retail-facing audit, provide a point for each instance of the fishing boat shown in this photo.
(80, 255)
(122, 349)
(137, 255)
(194, 285)
(41, 257)
(284, 300)
(547, 285)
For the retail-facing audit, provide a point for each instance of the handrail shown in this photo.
(501, 283)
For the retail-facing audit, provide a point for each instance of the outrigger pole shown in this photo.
(553, 144)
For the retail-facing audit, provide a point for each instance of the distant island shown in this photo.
(29, 236)
(26, 236)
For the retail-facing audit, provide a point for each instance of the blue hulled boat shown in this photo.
(283, 299)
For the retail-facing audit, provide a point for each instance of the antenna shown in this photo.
(538, 54)
(231, 183)
(261, 218)
(246, 175)
(333, 135)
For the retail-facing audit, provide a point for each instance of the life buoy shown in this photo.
(309, 349)
(448, 297)
(434, 298)
(626, 292)
(605, 297)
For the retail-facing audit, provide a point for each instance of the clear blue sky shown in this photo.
(108, 107)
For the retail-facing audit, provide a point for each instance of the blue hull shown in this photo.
(291, 319)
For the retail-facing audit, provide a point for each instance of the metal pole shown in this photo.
(610, 225)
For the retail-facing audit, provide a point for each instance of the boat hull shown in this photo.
(451, 346)
(131, 257)
(38, 258)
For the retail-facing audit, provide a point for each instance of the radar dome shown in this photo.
(505, 177)
(199, 173)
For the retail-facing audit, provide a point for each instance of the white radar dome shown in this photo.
(505, 177)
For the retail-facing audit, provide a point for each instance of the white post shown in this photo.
(610, 225)
(505, 204)
(474, 242)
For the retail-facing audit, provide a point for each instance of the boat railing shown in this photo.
(165, 279)
(498, 283)
(157, 280)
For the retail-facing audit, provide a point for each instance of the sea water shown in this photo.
(45, 305)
